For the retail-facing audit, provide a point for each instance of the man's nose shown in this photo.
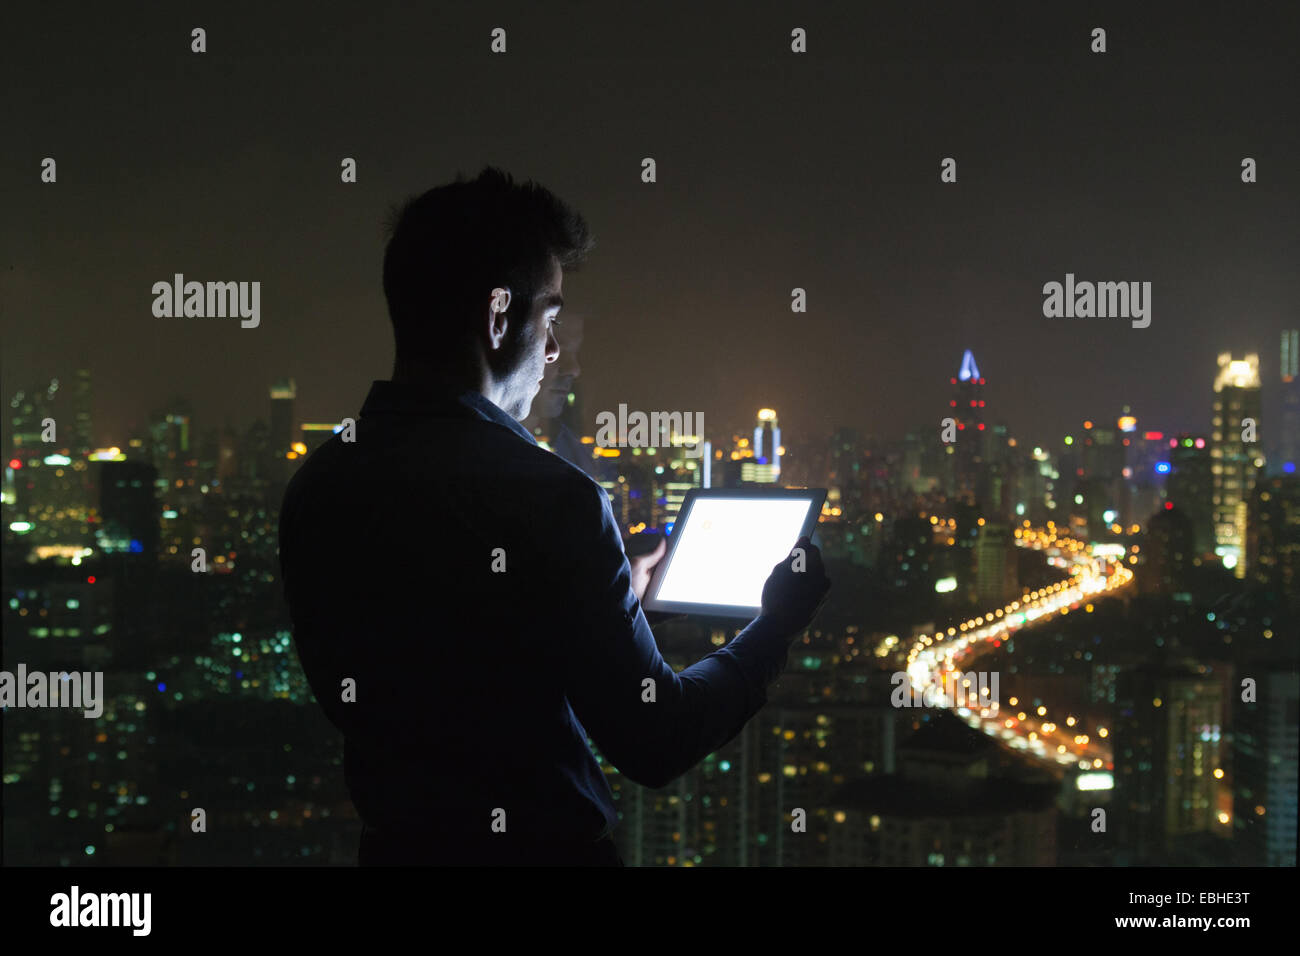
(552, 348)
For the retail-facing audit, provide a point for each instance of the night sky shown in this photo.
(775, 170)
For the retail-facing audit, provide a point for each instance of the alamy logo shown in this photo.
(656, 430)
(102, 909)
(211, 300)
(973, 689)
(1102, 300)
(56, 689)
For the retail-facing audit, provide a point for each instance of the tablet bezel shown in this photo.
(815, 497)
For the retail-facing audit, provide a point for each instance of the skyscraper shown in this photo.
(1146, 470)
(1167, 742)
(1273, 540)
(1168, 551)
(284, 395)
(29, 408)
(1190, 488)
(128, 507)
(82, 430)
(48, 481)
(969, 450)
(767, 447)
(846, 470)
(1264, 764)
(170, 433)
(1102, 478)
(1288, 431)
(1235, 454)
(995, 564)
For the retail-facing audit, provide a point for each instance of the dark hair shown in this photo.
(450, 246)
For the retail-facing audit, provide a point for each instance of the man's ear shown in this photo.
(497, 325)
(497, 321)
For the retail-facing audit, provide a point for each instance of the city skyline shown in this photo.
(1274, 395)
(960, 592)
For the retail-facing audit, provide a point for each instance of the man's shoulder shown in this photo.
(479, 456)
(557, 496)
(557, 477)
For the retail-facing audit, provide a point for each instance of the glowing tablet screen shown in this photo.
(728, 548)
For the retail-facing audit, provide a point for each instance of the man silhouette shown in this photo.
(461, 600)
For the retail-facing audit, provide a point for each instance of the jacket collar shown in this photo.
(406, 398)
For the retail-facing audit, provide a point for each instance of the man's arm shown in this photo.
(651, 723)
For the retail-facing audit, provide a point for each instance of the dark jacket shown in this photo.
(475, 588)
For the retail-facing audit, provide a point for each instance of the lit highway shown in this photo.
(1059, 739)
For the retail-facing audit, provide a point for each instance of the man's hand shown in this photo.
(796, 589)
(643, 566)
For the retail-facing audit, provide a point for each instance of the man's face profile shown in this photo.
(560, 374)
(535, 346)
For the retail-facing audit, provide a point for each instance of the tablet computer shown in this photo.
(723, 546)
